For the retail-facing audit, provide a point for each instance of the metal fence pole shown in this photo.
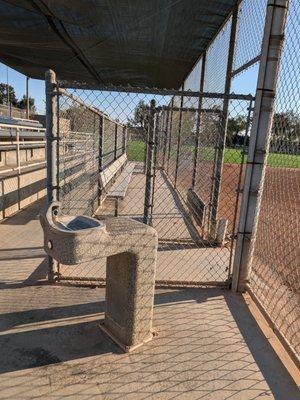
(52, 148)
(221, 141)
(150, 164)
(198, 125)
(259, 140)
(178, 140)
(18, 151)
(116, 141)
(166, 133)
(27, 97)
(156, 147)
(100, 156)
(124, 142)
(170, 135)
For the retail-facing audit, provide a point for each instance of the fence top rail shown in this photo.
(23, 127)
(154, 91)
(65, 92)
(191, 109)
(28, 143)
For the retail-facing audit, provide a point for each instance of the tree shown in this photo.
(234, 127)
(23, 103)
(4, 97)
(141, 115)
(286, 132)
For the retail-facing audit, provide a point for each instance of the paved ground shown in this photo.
(209, 346)
(182, 255)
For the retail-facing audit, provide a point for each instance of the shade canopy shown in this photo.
(152, 43)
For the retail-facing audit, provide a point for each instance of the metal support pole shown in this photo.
(170, 135)
(52, 148)
(259, 140)
(124, 143)
(221, 141)
(178, 140)
(18, 151)
(18, 165)
(100, 155)
(165, 144)
(156, 147)
(116, 142)
(27, 97)
(150, 164)
(198, 125)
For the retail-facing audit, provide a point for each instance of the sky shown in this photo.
(18, 81)
(242, 84)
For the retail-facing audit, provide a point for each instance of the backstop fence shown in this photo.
(191, 163)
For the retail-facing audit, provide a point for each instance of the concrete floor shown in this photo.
(182, 255)
(208, 346)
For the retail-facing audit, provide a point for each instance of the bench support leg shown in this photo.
(116, 207)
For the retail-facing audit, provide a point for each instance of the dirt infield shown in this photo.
(275, 278)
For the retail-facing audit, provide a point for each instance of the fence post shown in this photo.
(166, 133)
(150, 164)
(27, 97)
(52, 148)
(116, 141)
(221, 141)
(170, 135)
(18, 151)
(178, 139)
(124, 143)
(259, 140)
(100, 156)
(198, 125)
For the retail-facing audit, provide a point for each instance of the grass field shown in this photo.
(136, 150)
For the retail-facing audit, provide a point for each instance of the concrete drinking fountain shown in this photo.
(130, 248)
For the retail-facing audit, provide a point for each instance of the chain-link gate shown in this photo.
(158, 148)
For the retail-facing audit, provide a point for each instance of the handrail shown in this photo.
(25, 127)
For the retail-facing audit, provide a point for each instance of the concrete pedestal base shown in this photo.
(130, 248)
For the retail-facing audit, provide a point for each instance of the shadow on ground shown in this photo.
(207, 335)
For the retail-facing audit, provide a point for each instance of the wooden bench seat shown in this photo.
(120, 186)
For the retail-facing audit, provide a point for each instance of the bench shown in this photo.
(108, 174)
(120, 186)
(196, 206)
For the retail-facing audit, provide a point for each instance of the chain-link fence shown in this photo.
(176, 159)
(90, 141)
(103, 173)
(275, 267)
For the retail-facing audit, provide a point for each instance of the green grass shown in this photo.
(136, 152)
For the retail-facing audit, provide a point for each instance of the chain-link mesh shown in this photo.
(275, 269)
(175, 198)
(251, 20)
(216, 61)
(89, 141)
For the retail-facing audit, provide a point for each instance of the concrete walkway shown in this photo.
(208, 345)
